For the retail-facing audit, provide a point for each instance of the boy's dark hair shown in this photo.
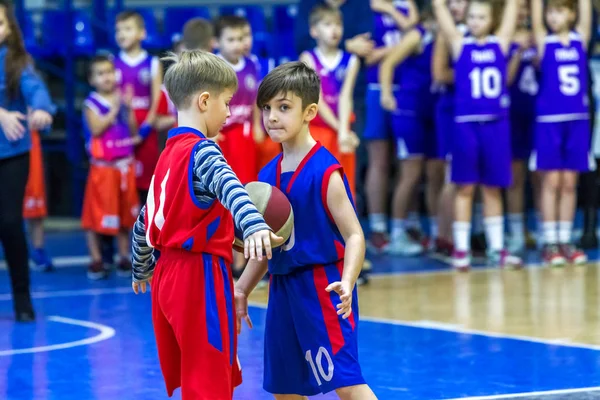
(229, 21)
(321, 11)
(130, 14)
(98, 59)
(198, 34)
(570, 4)
(295, 77)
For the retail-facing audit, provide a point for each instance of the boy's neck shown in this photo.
(298, 146)
(133, 51)
(327, 50)
(107, 94)
(231, 60)
(192, 120)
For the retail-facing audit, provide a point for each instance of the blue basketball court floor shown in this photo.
(425, 333)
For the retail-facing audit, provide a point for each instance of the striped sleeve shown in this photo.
(142, 260)
(211, 169)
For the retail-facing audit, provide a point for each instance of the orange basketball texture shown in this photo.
(274, 207)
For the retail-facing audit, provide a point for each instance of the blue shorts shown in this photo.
(561, 146)
(378, 125)
(415, 136)
(481, 153)
(309, 349)
(521, 131)
(444, 126)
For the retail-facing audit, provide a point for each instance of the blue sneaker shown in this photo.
(42, 262)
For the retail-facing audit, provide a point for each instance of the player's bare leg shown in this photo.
(461, 258)
(410, 175)
(434, 170)
(515, 197)
(96, 268)
(536, 184)
(567, 201)
(446, 215)
(124, 266)
(494, 229)
(36, 232)
(358, 392)
(289, 397)
(549, 207)
(376, 190)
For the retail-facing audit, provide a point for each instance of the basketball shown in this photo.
(275, 208)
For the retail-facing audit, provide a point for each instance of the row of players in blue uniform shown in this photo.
(483, 98)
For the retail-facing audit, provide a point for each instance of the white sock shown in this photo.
(413, 220)
(398, 226)
(462, 236)
(516, 227)
(550, 232)
(378, 223)
(433, 227)
(478, 218)
(494, 232)
(564, 232)
(539, 223)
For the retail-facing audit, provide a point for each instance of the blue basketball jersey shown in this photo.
(525, 87)
(315, 238)
(386, 34)
(563, 81)
(415, 78)
(480, 74)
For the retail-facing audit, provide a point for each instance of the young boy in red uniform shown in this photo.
(188, 218)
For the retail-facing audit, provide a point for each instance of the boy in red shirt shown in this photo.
(188, 218)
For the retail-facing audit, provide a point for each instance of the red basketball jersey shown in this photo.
(174, 217)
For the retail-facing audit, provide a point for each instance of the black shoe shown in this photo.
(23, 308)
(589, 240)
(363, 278)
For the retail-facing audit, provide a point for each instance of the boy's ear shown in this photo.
(203, 101)
(311, 112)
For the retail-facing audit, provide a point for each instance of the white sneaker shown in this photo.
(403, 246)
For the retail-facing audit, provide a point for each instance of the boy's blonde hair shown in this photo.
(194, 71)
(322, 11)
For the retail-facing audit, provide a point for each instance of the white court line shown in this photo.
(106, 332)
(527, 394)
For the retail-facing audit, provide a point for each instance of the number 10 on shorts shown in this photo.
(317, 365)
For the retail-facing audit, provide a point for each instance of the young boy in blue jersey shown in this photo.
(311, 343)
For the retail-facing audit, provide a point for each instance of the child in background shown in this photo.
(266, 149)
(337, 71)
(391, 19)
(243, 130)
(481, 153)
(34, 207)
(443, 75)
(313, 277)
(188, 218)
(110, 204)
(197, 35)
(523, 85)
(562, 129)
(143, 72)
(413, 108)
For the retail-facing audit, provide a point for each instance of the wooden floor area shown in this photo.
(537, 302)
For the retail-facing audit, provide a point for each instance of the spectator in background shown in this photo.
(21, 89)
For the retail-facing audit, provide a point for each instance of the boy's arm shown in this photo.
(324, 110)
(99, 124)
(513, 67)
(345, 219)
(214, 174)
(441, 71)
(537, 26)
(403, 22)
(447, 26)
(142, 259)
(345, 104)
(157, 78)
(253, 273)
(407, 46)
(584, 24)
